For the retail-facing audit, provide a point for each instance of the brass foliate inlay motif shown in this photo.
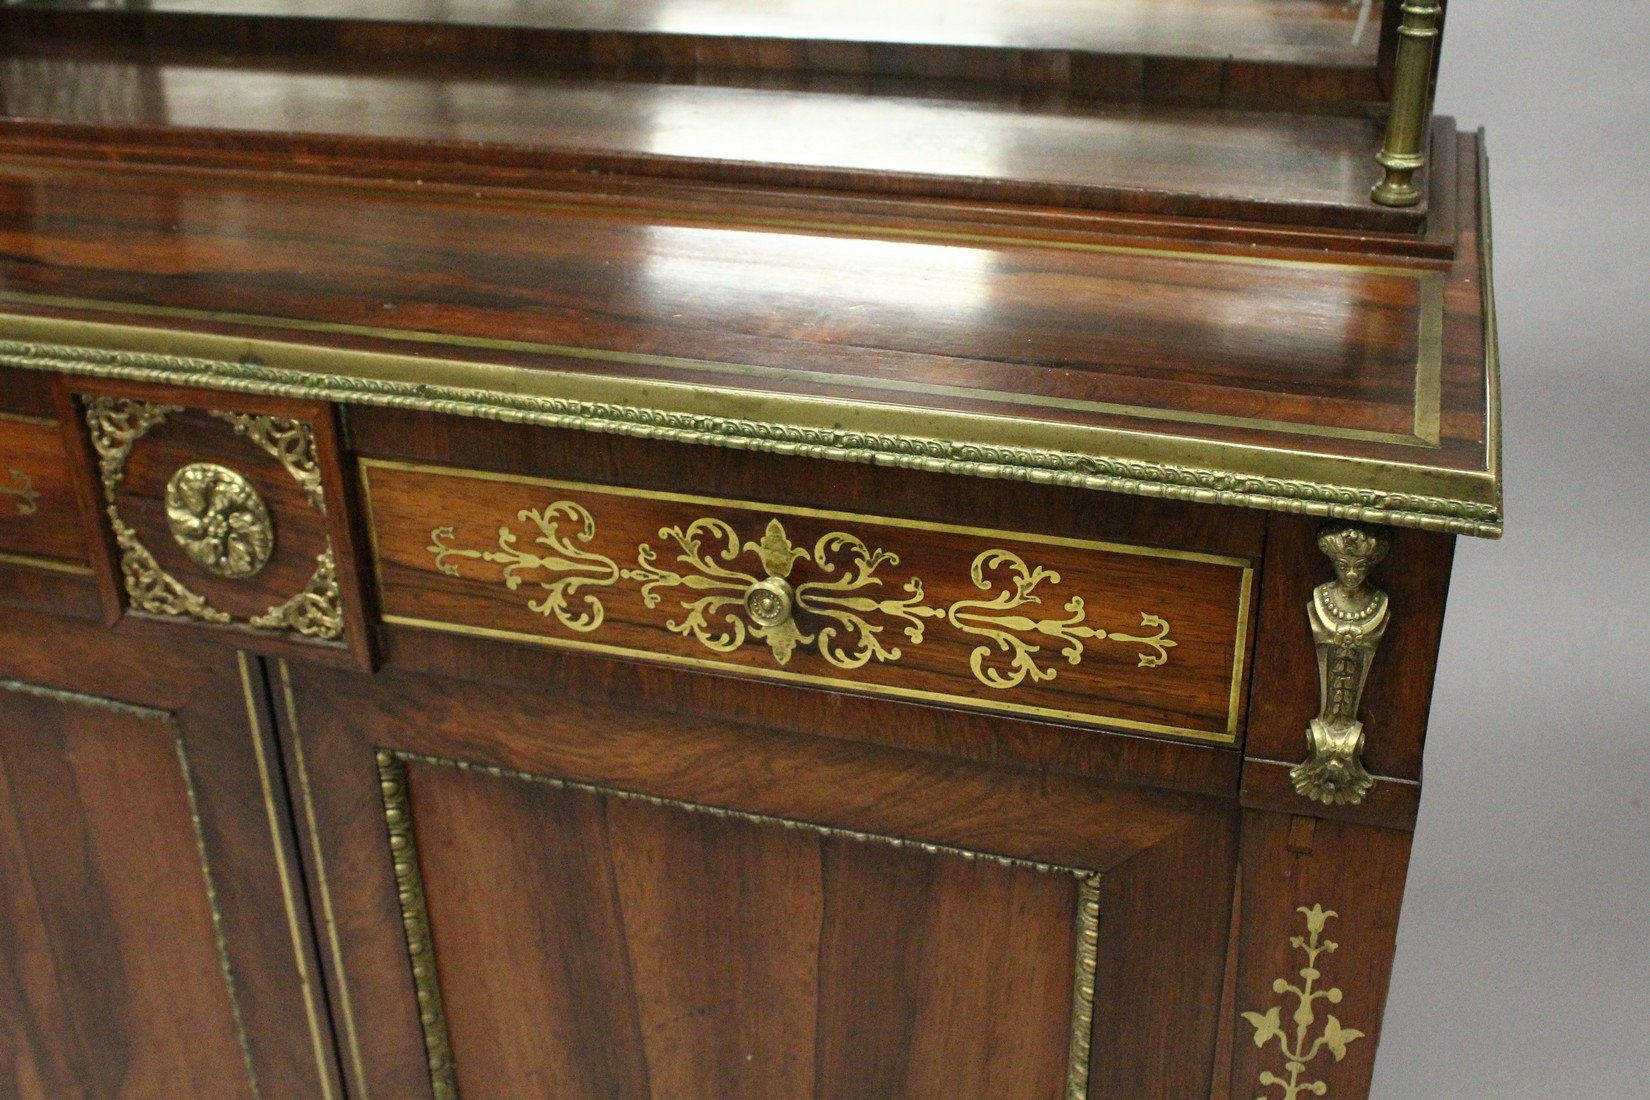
(22, 487)
(1348, 617)
(219, 520)
(1300, 1046)
(726, 590)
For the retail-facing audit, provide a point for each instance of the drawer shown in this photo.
(225, 513)
(40, 525)
(1103, 635)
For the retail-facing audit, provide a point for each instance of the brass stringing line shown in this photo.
(217, 917)
(1041, 465)
(22, 487)
(296, 731)
(415, 919)
(392, 770)
(151, 714)
(1083, 985)
(301, 967)
(1427, 356)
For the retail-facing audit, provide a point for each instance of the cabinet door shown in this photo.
(547, 892)
(153, 938)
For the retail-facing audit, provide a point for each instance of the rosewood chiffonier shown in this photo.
(723, 550)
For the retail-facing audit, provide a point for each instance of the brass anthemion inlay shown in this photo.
(217, 517)
(22, 487)
(219, 520)
(725, 589)
(392, 774)
(1301, 1046)
(1348, 616)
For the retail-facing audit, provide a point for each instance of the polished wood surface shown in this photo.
(1114, 635)
(1323, 30)
(1282, 352)
(836, 785)
(39, 512)
(130, 973)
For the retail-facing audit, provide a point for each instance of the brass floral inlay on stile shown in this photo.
(1298, 1046)
(22, 487)
(722, 589)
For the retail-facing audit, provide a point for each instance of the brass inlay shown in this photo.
(1298, 1053)
(421, 949)
(1400, 493)
(1348, 616)
(990, 619)
(1404, 152)
(220, 939)
(51, 565)
(294, 730)
(22, 487)
(409, 889)
(837, 599)
(725, 604)
(219, 520)
(318, 1041)
(578, 568)
(195, 508)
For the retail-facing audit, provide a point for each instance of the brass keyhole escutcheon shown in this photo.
(769, 601)
(219, 520)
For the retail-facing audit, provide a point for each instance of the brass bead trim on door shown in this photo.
(403, 849)
(115, 426)
(1299, 1052)
(221, 941)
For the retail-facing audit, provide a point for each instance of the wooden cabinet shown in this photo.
(541, 603)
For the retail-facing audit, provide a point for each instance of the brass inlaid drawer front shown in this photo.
(40, 524)
(1137, 638)
(219, 514)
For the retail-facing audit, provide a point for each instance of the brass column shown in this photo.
(1404, 152)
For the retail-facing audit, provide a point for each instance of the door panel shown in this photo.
(554, 898)
(153, 934)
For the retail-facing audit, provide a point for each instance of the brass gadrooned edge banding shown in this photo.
(959, 443)
(392, 771)
(409, 889)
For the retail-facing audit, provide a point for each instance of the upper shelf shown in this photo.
(1247, 112)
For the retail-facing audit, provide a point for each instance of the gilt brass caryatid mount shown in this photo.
(1348, 616)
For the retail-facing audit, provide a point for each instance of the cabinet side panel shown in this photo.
(108, 948)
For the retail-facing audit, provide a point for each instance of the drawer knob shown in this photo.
(219, 520)
(770, 601)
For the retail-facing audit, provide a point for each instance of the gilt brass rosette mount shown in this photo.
(219, 520)
(1348, 617)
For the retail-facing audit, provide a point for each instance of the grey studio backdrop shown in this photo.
(1523, 966)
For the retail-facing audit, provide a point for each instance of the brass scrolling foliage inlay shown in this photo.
(725, 589)
(1298, 1052)
(22, 487)
(577, 567)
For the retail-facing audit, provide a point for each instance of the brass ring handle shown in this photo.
(770, 601)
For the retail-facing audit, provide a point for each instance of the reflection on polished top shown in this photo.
(1322, 31)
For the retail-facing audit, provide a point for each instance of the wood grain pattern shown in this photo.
(110, 782)
(1066, 631)
(1358, 873)
(834, 785)
(302, 531)
(40, 524)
